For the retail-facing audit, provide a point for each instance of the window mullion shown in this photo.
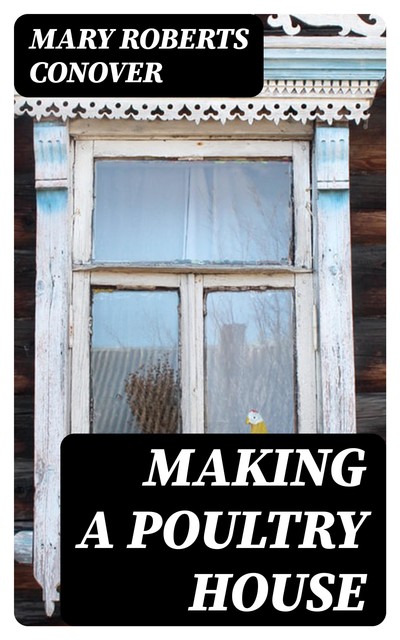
(305, 355)
(302, 206)
(80, 360)
(192, 358)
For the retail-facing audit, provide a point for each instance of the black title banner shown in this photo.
(222, 530)
(138, 55)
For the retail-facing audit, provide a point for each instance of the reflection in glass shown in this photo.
(134, 362)
(249, 360)
(193, 211)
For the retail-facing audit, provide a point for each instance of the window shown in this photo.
(192, 286)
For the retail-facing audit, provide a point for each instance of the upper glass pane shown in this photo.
(250, 374)
(134, 362)
(193, 211)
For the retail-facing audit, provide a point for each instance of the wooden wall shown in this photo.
(368, 237)
(367, 164)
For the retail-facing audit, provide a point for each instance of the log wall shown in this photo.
(368, 236)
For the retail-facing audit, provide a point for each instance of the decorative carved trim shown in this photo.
(348, 23)
(300, 100)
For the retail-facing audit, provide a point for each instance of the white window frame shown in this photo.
(192, 281)
(64, 180)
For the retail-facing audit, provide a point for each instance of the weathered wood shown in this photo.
(83, 202)
(79, 342)
(171, 268)
(368, 227)
(23, 489)
(307, 410)
(25, 218)
(23, 377)
(368, 192)
(333, 264)
(369, 280)
(23, 356)
(370, 336)
(192, 148)
(370, 354)
(302, 205)
(52, 363)
(371, 413)
(23, 430)
(368, 158)
(23, 427)
(24, 281)
(126, 129)
(191, 291)
(26, 579)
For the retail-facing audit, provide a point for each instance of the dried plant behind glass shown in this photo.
(153, 397)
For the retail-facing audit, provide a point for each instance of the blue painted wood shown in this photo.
(324, 64)
(332, 152)
(52, 201)
(51, 151)
(331, 213)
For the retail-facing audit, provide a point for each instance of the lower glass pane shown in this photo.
(134, 362)
(250, 362)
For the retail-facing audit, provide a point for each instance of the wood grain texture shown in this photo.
(51, 356)
(370, 354)
(369, 280)
(368, 227)
(368, 191)
(333, 265)
(371, 413)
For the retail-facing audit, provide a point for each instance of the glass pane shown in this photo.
(134, 359)
(249, 361)
(193, 211)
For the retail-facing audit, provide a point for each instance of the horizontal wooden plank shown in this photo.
(23, 405)
(24, 302)
(370, 375)
(24, 447)
(370, 354)
(24, 578)
(370, 337)
(24, 362)
(367, 192)
(23, 489)
(24, 379)
(368, 227)
(24, 222)
(369, 280)
(24, 330)
(125, 129)
(368, 158)
(24, 282)
(371, 413)
(23, 426)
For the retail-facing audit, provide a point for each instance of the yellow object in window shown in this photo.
(256, 422)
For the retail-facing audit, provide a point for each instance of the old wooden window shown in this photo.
(192, 286)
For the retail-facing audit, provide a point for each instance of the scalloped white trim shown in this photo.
(347, 22)
(300, 100)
